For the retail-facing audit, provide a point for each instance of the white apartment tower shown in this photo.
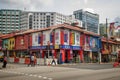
(37, 20)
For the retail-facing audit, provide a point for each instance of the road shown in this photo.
(64, 72)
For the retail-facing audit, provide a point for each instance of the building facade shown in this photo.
(37, 20)
(90, 21)
(12, 20)
(9, 20)
(64, 42)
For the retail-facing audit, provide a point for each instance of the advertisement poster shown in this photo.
(93, 44)
(51, 37)
(72, 38)
(46, 37)
(35, 39)
(77, 39)
(57, 36)
(86, 46)
(39, 38)
(66, 37)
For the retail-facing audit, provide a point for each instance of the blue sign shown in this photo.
(35, 47)
(76, 47)
(94, 44)
(65, 46)
(41, 47)
(44, 47)
(51, 38)
(51, 47)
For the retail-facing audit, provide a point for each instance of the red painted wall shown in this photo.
(82, 36)
(62, 37)
(22, 42)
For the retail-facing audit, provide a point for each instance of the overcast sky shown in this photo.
(105, 8)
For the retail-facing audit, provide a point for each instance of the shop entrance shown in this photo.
(76, 57)
(66, 56)
(58, 56)
(47, 54)
(95, 57)
(87, 57)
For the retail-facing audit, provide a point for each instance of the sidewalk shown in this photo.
(12, 65)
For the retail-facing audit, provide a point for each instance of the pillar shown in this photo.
(62, 56)
(81, 55)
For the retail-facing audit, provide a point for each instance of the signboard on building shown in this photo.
(93, 43)
(77, 39)
(87, 41)
(36, 39)
(46, 37)
(66, 37)
(72, 38)
(57, 36)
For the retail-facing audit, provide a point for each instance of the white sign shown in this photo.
(36, 39)
(66, 37)
(46, 37)
(57, 36)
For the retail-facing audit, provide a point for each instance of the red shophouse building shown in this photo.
(64, 42)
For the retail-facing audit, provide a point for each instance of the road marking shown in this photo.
(44, 77)
(49, 78)
(30, 75)
(26, 74)
(39, 76)
(35, 75)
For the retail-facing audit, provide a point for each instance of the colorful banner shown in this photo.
(51, 38)
(44, 37)
(86, 46)
(72, 38)
(77, 42)
(39, 38)
(57, 37)
(11, 43)
(35, 39)
(5, 43)
(93, 44)
(57, 47)
(65, 36)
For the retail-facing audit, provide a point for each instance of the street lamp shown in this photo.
(48, 43)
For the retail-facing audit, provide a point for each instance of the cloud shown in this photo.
(85, 1)
(29, 4)
(109, 10)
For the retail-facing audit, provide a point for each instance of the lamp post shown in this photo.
(48, 43)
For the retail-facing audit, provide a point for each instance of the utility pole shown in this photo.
(107, 32)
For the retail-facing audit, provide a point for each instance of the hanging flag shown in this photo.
(65, 36)
(51, 37)
(39, 39)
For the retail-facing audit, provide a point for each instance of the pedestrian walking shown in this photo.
(31, 60)
(4, 62)
(53, 61)
(35, 59)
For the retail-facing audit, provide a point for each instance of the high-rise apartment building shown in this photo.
(90, 20)
(37, 20)
(9, 20)
(102, 29)
(12, 20)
